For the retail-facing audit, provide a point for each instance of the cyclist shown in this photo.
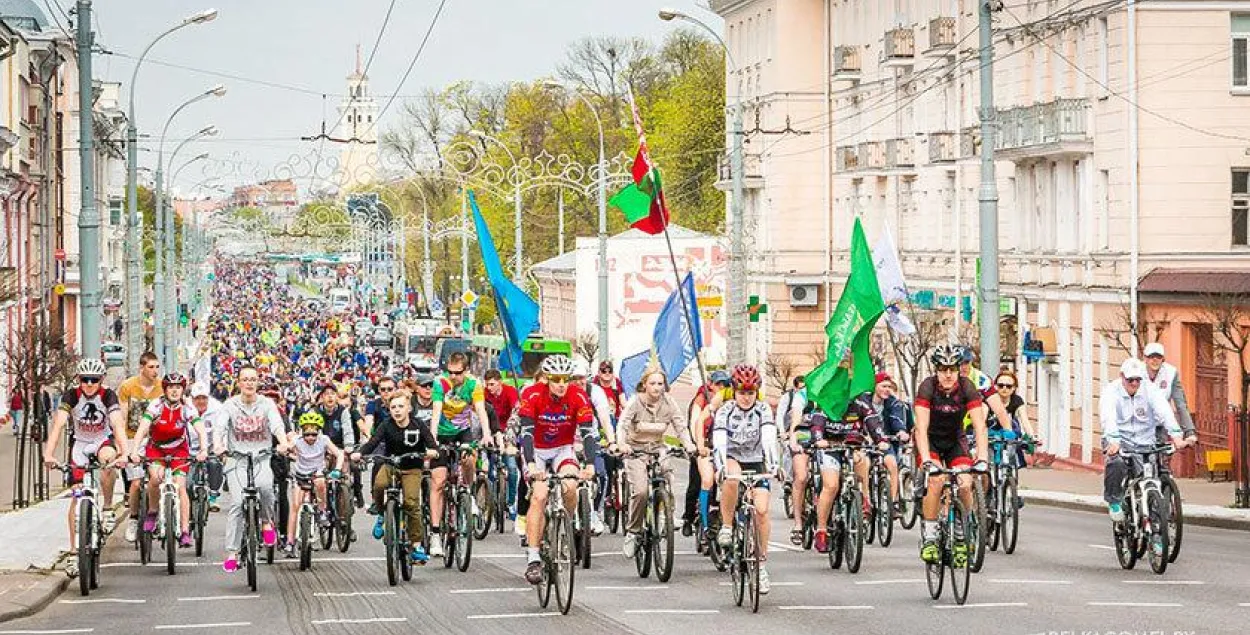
(458, 397)
(134, 395)
(550, 416)
(340, 426)
(896, 423)
(166, 427)
(648, 416)
(210, 412)
(1006, 384)
(942, 402)
(376, 413)
(792, 413)
(699, 486)
(309, 447)
(612, 387)
(1129, 416)
(97, 427)
(605, 427)
(503, 399)
(744, 438)
(860, 425)
(252, 424)
(1163, 377)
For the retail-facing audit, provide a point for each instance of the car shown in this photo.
(114, 353)
(381, 337)
(362, 326)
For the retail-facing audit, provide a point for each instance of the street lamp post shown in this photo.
(736, 285)
(165, 237)
(134, 263)
(517, 250)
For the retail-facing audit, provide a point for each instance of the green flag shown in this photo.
(832, 384)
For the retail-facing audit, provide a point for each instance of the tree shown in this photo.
(912, 351)
(587, 345)
(1229, 316)
(322, 218)
(780, 371)
(1120, 329)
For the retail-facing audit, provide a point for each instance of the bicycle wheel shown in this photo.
(993, 515)
(465, 524)
(935, 572)
(486, 499)
(1126, 535)
(752, 558)
(809, 518)
(737, 564)
(544, 587)
(786, 491)
(450, 515)
(714, 551)
(1009, 523)
(251, 527)
(907, 500)
(343, 518)
(325, 533)
(305, 536)
(86, 515)
(171, 533)
(145, 538)
(1157, 539)
(837, 536)
(583, 526)
(975, 521)
(870, 517)
(391, 541)
(883, 507)
(565, 564)
(501, 500)
(1176, 517)
(662, 539)
(854, 540)
(642, 550)
(958, 525)
(199, 519)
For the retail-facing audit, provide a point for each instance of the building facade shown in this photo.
(357, 132)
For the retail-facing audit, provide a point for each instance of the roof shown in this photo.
(23, 15)
(1196, 281)
(566, 261)
(674, 231)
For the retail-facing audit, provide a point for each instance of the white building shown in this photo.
(357, 131)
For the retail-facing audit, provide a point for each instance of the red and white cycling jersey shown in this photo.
(170, 423)
(556, 420)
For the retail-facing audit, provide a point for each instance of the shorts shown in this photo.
(756, 467)
(78, 456)
(444, 458)
(181, 455)
(951, 456)
(830, 461)
(552, 460)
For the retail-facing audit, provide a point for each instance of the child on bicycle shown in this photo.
(309, 447)
(165, 428)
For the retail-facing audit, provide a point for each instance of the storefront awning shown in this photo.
(1195, 281)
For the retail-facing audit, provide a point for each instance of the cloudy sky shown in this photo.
(284, 54)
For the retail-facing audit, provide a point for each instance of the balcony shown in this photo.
(1052, 129)
(847, 159)
(846, 63)
(970, 142)
(942, 37)
(753, 175)
(900, 153)
(900, 47)
(8, 284)
(943, 147)
(871, 155)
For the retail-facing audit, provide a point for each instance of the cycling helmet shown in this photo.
(312, 419)
(746, 377)
(580, 368)
(174, 379)
(558, 365)
(945, 356)
(719, 377)
(90, 367)
(966, 355)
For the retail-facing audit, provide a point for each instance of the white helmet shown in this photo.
(558, 365)
(90, 367)
(580, 368)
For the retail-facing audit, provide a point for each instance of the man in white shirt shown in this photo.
(211, 413)
(1163, 377)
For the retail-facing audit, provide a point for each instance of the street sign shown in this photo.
(59, 255)
(468, 298)
(58, 289)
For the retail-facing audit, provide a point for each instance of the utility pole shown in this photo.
(736, 300)
(988, 196)
(88, 216)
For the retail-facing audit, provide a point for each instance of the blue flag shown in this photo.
(631, 371)
(677, 341)
(517, 311)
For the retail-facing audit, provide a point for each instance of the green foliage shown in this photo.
(321, 218)
(251, 215)
(147, 210)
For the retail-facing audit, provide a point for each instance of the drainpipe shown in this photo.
(959, 219)
(1134, 273)
(828, 159)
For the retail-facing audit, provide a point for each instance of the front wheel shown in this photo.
(305, 537)
(907, 500)
(583, 526)
(86, 516)
(171, 533)
(1157, 538)
(483, 521)
(959, 528)
(1009, 523)
(343, 517)
(751, 557)
(884, 506)
(1176, 518)
(564, 563)
(662, 539)
(199, 519)
(975, 522)
(854, 537)
(465, 524)
(391, 539)
(251, 529)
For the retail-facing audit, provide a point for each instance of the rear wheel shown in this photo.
(737, 564)
(86, 515)
(145, 538)
(809, 517)
(975, 522)
(391, 539)
(714, 551)
(870, 518)
(305, 537)
(251, 528)
(993, 516)
(482, 522)
(907, 500)
(199, 519)
(450, 516)
(751, 557)
(565, 565)
(1176, 518)
(465, 524)
(343, 518)
(501, 499)
(662, 539)
(642, 550)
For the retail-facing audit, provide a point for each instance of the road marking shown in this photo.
(774, 584)
(367, 620)
(167, 627)
(1136, 604)
(500, 555)
(214, 598)
(505, 616)
(109, 565)
(499, 590)
(353, 594)
(1165, 582)
(104, 601)
(64, 630)
(672, 612)
(777, 545)
(900, 581)
(982, 605)
(1244, 604)
(1011, 581)
(1105, 547)
(658, 587)
(860, 607)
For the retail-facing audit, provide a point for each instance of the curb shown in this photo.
(1094, 504)
(35, 598)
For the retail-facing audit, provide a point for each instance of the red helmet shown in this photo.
(746, 377)
(173, 379)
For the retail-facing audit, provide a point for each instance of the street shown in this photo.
(1063, 577)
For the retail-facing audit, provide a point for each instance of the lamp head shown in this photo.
(552, 84)
(668, 15)
(200, 157)
(218, 90)
(208, 131)
(207, 15)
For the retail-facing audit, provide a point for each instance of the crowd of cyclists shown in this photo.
(332, 425)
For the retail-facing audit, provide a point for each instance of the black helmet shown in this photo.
(945, 356)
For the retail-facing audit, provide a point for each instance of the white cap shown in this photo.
(1133, 369)
(1153, 348)
(199, 390)
(580, 368)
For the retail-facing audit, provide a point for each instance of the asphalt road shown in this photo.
(1063, 578)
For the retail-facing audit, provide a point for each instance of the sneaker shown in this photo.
(378, 529)
(184, 540)
(929, 551)
(268, 536)
(687, 528)
(512, 514)
(419, 556)
(822, 541)
(108, 521)
(230, 565)
(796, 536)
(325, 519)
(149, 523)
(765, 583)
(436, 545)
(374, 510)
(959, 559)
(212, 503)
(1116, 511)
(521, 523)
(534, 572)
(71, 567)
(725, 537)
(596, 525)
(132, 530)
(631, 545)
(289, 550)
(477, 511)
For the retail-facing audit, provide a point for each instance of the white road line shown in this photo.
(64, 630)
(506, 616)
(1137, 604)
(658, 587)
(774, 584)
(1012, 581)
(169, 627)
(1244, 604)
(499, 590)
(1106, 547)
(106, 565)
(352, 594)
(982, 605)
(860, 607)
(344, 559)
(777, 545)
(499, 555)
(671, 612)
(1165, 582)
(367, 620)
(214, 598)
(104, 601)
(877, 582)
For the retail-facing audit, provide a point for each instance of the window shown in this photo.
(1104, 73)
(1240, 34)
(1241, 206)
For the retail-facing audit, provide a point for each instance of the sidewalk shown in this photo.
(1205, 503)
(34, 542)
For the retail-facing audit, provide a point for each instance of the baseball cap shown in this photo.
(1133, 369)
(1152, 349)
(884, 376)
(199, 390)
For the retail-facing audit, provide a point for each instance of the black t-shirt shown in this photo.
(1013, 405)
(947, 410)
(413, 438)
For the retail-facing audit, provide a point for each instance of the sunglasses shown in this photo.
(455, 373)
(428, 384)
(947, 369)
(386, 390)
(1006, 385)
(558, 379)
(311, 435)
(1133, 380)
(89, 380)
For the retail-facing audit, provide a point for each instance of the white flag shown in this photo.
(889, 271)
(898, 321)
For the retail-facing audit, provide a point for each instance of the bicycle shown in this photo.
(306, 520)
(1176, 511)
(743, 558)
(908, 502)
(1002, 520)
(655, 543)
(198, 492)
(251, 540)
(810, 495)
(880, 523)
(395, 531)
(705, 538)
(556, 548)
(582, 531)
(89, 530)
(953, 530)
(458, 514)
(846, 536)
(613, 501)
(167, 513)
(484, 489)
(1144, 530)
(502, 480)
(338, 532)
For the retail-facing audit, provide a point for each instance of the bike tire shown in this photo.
(662, 539)
(975, 523)
(343, 518)
(884, 506)
(466, 525)
(935, 576)
(86, 515)
(144, 538)
(1009, 525)
(583, 522)
(736, 564)
(305, 537)
(809, 518)
(565, 563)
(199, 520)
(325, 533)
(171, 535)
(958, 524)
(753, 562)
(870, 518)
(993, 522)
(251, 528)
(855, 532)
(1125, 545)
(1157, 551)
(482, 522)
(713, 548)
(501, 500)
(450, 514)
(1176, 518)
(907, 500)
(544, 587)
(786, 492)
(391, 540)
(642, 552)
(837, 535)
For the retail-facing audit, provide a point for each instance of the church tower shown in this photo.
(358, 161)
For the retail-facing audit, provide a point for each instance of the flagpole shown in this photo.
(685, 311)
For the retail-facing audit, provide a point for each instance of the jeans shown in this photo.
(514, 474)
(237, 476)
(1116, 472)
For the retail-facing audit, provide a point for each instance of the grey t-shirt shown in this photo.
(249, 428)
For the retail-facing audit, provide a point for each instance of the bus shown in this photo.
(340, 300)
(533, 351)
(415, 341)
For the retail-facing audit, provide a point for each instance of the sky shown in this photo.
(309, 47)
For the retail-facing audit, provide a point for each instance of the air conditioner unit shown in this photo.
(803, 294)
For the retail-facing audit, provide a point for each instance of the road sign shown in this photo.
(59, 255)
(468, 298)
(59, 289)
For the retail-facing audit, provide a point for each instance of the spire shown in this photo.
(359, 70)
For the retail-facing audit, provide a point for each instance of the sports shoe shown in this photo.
(289, 550)
(325, 519)
(687, 528)
(373, 510)
(132, 530)
(959, 559)
(765, 584)
(230, 565)
(596, 525)
(71, 567)
(184, 540)
(1116, 511)
(534, 572)
(436, 545)
(149, 523)
(520, 525)
(378, 529)
(725, 537)
(630, 547)
(212, 503)
(108, 521)
(929, 551)
(822, 541)
(419, 556)
(268, 536)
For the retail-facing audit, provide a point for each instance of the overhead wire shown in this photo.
(411, 64)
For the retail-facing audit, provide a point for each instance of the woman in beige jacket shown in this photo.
(647, 417)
